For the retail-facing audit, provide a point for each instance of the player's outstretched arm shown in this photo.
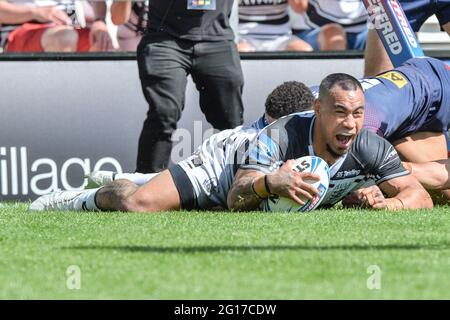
(434, 175)
(405, 192)
(243, 195)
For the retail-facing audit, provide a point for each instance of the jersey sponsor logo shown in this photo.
(404, 23)
(210, 185)
(348, 174)
(391, 155)
(381, 20)
(395, 77)
(338, 189)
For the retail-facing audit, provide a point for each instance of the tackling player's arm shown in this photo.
(405, 193)
(434, 175)
(402, 190)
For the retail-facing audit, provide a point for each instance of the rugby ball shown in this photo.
(304, 164)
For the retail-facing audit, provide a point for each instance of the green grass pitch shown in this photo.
(324, 254)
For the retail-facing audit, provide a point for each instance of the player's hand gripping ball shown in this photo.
(311, 164)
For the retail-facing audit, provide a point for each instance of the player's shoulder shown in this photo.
(292, 121)
(370, 148)
(366, 138)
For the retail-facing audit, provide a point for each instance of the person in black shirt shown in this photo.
(183, 39)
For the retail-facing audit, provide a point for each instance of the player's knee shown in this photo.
(62, 39)
(138, 203)
(332, 37)
(132, 199)
(299, 45)
(245, 47)
(332, 30)
(115, 196)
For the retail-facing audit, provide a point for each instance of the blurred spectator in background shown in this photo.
(331, 24)
(264, 26)
(53, 26)
(182, 38)
(131, 18)
(417, 12)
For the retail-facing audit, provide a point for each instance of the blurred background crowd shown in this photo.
(279, 25)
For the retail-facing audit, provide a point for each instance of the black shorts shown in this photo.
(185, 189)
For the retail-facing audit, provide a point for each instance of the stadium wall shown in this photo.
(65, 115)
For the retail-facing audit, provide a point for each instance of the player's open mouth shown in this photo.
(344, 140)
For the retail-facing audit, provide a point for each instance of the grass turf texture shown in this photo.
(320, 255)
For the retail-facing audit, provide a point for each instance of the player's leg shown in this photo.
(309, 36)
(422, 147)
(163, 67)
(245, 46)
(101, 178)
(219, 79)
(60, 39)
(163, 193)
(35, 37)
(376, 59)
(159, 194)
(332, 36)
(356, 40)
(297, 44)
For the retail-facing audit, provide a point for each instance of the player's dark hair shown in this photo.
(341, 80)
(289, 97)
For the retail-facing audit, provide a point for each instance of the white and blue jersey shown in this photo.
(204, 179)
(291, 137)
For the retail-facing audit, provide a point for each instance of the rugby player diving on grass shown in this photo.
(201, 181)
(410, 107)
(333, 132)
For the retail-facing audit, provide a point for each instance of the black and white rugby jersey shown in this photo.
(219, 157)
(351, 14)
(139, 17)
(370, 157)
(67, 6)
(263, 11)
